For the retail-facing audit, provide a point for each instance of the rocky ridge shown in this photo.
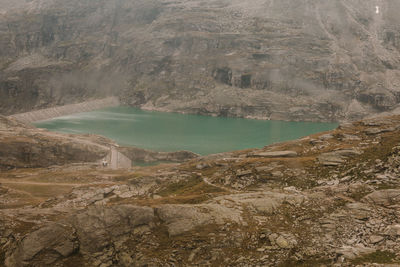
(330, 199)
(311, 60)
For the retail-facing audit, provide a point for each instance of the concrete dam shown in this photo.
(49, 113)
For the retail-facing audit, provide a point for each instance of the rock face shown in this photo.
(144, 155)
(276, 154)
(293, 60)
(90, 232)
(50, 243)
(384, 197)
(336, 158)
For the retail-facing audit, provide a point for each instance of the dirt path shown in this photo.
(2, 181)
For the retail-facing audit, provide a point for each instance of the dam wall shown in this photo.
(119, 160)
(49, 113)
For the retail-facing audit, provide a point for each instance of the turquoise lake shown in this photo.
(171, 131)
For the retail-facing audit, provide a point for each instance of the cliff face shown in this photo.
(295, 60)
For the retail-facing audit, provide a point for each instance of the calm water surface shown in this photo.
(170, 131)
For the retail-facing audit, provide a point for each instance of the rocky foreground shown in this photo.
(330, 199)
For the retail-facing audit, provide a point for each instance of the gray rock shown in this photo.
(98, 226)
(183, 218)
(51, 243)
(353, 252)
(264, 168)
(359, 210)
(330, 160)
(282, 242)
(338, 157)
(202, 166)
(393, 230)
(277, 174)
(374, 131)
(244, 173)
(326, 137)
(275, 154)
(374, 239)
(349, 137)
(266, 205)
(383, 197)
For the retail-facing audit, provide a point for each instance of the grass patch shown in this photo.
(2, 257)
(41, 191)
(193, 185)
(75, 260)
(376, 257)
(311, 262)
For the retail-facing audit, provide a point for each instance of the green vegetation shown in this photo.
(193, 185)
(376, 257)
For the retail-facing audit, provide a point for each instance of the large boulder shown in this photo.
(183, 218)
(88, 232)
(383, 197)
(98, 226)
(45, 246)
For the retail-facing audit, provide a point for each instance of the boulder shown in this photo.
(383, 197)
(354, 252)
(338, 157)
(374, 131)
(393, 230)
(183, 218)
(48, 244)
(98, 226)
(91, 231)
(374, 239)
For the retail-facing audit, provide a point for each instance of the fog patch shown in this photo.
(66, 87)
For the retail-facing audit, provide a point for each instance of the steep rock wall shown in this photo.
(295, 60)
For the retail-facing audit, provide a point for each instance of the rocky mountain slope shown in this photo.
(330, 199)
(293, 60)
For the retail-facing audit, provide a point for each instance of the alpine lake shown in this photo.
(161, 131)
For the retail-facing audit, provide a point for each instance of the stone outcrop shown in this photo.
(337, 157)
(89, 232)
(276, 154)
(384, 197)
(292, 60)
(144, 155)
(48, 244)
(183, 218)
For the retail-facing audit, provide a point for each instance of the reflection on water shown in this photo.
(170, 131)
